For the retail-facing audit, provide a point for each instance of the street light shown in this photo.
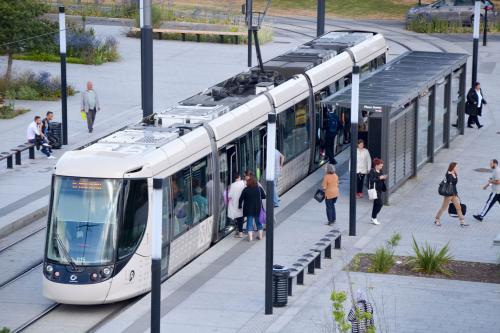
(320, 29)
(62, 53)
(475, 35)
(354, 141)
(147, 60)
(270, 179)
(485, 31)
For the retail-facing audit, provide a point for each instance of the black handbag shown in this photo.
(453, 211)
(445, 188)
(319, 196)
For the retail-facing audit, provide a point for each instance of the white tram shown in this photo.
(99, 232)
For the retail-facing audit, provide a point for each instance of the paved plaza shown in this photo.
(223, 289)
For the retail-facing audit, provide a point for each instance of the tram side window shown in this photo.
(134, 218)
(199, 174)
(294, 124)
(181, 205)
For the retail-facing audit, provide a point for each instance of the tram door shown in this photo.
(320, 110)
(259, 137)
(228, 163)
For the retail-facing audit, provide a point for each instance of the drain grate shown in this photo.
(482, 170)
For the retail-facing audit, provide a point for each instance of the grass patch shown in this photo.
(46, 57)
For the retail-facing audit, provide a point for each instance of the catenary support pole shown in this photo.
(320, 21)
(156, 255)
(270, 175)
(485, 28)
(147, 61)
(141, 24)
(475, 47)
(354, 142)
(62, 52)
(250, 25)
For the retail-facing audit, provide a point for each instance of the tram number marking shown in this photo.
(80, 260)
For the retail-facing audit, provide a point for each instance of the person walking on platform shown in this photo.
(233, 211)
(331, 187)
(451, 178)
(474, 105)
(363, 165)
(90, 105)
(35, 136)
(332, 128)
(251, 202)
(494, 197)
(376, 180)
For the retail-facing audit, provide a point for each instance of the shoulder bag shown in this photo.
(372, 192)
(319, 196)
(445, 188)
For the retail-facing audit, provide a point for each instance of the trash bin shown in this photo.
(280, 285)
(55, 134)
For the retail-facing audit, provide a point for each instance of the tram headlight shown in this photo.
(106, 272)
(49, 269)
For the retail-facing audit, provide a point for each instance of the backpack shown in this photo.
(332, 123)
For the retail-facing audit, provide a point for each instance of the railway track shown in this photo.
(388, 33)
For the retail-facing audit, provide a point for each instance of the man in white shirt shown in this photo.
(35, 136)
(90, 105)
(494, 197)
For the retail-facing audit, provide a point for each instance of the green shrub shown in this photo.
(8, 112)
(27, 93)
(429, 260)
(4, 330)
(31, 86)
(338, 298)
(383, 259)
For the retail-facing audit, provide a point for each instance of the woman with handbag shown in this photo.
(331, 188)
(251, 202)
(376, 185)
(449, 191)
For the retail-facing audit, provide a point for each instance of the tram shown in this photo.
(98, 242)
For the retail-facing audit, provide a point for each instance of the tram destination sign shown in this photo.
(86, 184)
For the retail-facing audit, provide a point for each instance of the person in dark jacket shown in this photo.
(376, 180)
(332, 128)
(251, 202)
(474, 105)
(451, 177)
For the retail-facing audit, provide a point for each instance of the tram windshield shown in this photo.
(83, 223)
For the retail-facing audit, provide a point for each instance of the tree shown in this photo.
(20, 22)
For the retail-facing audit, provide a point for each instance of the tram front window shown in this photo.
(83, 221)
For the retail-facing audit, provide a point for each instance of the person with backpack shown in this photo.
(361, 314)
(233, 211)
(494, 196)
(451, 177)
(332, 128)
(251, 202)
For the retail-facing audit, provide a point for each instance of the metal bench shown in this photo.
(16, 152)
(312, 259)
(198, 33)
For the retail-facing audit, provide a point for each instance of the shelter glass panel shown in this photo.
(456, 97)
(439, 114)
(423, 129)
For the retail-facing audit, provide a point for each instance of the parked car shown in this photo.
(459, 11)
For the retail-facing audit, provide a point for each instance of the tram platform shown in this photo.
(223, 289)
